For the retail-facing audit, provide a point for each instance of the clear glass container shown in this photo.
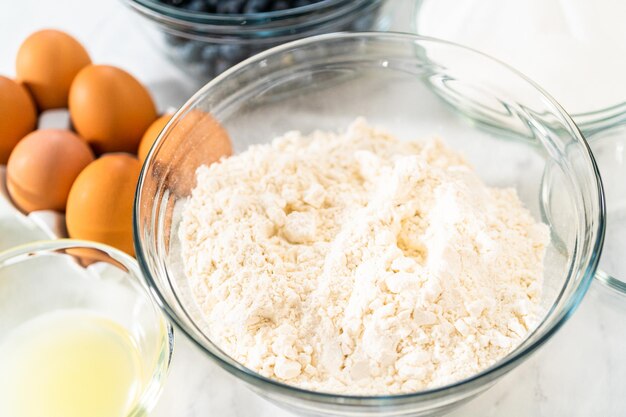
(48, 276)
(206, 44)
(574, 49)
(609, 149)
(513, 133)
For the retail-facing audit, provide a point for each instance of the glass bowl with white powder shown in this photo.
(293, 265)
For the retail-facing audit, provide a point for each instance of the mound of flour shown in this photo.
(358, 263)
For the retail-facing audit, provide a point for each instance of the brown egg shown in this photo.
(47, 63)
(195, 140)
(150, 136)
(17, 116)
(100, 204)
(110, 108)
(43, 167)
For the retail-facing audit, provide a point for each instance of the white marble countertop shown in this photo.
(579, 372)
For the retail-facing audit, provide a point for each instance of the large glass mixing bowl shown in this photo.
(513, 133)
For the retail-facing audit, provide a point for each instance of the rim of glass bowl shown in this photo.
(614, 281)
(150, 394)
(499, 367)
(178, 16)
(601, 120)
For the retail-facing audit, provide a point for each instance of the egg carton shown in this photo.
(50, 222)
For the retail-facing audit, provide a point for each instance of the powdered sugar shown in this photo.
(359, 263)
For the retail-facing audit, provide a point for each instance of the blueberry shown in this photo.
(237, 6)
(209, 53)
(302, 3)
(176, 3)
(255, 49)
(280, 5)
(174, 40)
(232, 53)
(198, 6)
(191, 51)
(207, 69)
(257, 6)
(221, 66)
(212, 4)
(230, 6)
(363, 24)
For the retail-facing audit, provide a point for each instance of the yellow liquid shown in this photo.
(68, 363)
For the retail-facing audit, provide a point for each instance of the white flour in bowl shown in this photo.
(361, 264)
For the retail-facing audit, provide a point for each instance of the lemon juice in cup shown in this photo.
(79, 334)
(69, 363)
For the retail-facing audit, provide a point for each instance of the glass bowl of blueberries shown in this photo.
(206, 37)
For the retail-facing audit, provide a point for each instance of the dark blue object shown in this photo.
(212, 4)
(257, 6)
(280, 5)
(209, 53)
(302, 3)
(221, 66)
(176, 3)
(191, 51)
(174, 40)
(231, 52)
(363, 24)
(230, 6)
(237, 6)
(215, 53)
(199, 6)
